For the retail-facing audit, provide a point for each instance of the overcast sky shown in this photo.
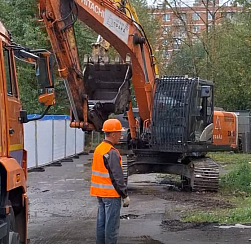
(189, 2)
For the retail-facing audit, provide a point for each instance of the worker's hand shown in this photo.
(126, 202)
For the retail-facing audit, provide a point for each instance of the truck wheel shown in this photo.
(14, 237)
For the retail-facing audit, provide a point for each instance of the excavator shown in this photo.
(176, 126)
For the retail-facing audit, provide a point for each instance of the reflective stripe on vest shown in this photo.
(101, 184)
(101, 174)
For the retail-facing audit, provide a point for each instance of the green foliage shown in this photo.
(238, 180)
(149, 24)
(229, 159)
(235, 189)
(84, 38)
(240, 214)
(232, 64)
(237, 176)
(223, 55)
(189, 60)
(21, 19)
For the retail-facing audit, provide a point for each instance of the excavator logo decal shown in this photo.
(118, 26)
(217, 123)
(95, 8)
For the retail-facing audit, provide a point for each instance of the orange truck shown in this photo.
(13, 159)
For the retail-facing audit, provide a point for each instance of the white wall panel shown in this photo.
(44, 141)
(59, 139)
(70, 140)
(54, 142)
(29, 143)
(79, 140)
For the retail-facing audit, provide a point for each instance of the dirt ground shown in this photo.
(63, 212)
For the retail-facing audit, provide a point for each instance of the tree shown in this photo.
(233, 61)
(21, 18)
(184, 29)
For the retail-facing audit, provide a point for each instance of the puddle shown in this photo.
(177, 225)
(240, 226)
(129, 216)
(45, 190)
(36, 214)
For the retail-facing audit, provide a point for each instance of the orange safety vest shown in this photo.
(101, 184)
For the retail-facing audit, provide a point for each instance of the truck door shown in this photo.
(13, 107)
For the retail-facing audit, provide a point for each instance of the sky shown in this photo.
(189, 2)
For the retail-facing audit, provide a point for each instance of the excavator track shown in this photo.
(205, 175)
(125, 168)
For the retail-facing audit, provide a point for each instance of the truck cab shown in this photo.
(13, 157)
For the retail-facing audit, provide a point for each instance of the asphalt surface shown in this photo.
(61, 211)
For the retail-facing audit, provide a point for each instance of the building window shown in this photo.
(159, 6)
(196, 29)
(230, 15)
(166, 17)
(165, 54)
(196, 16)
(165, 43)
(176, 44)
(152, 16)
(209, 16)
(183, 16)
(166, 30)
(180, 32)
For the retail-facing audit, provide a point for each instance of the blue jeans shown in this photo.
(108, 220)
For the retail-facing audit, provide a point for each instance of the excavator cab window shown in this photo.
(203, 109)
(44, 73)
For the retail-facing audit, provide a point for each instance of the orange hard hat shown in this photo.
(112, 125)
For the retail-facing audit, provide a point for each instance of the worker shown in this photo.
(108, 185)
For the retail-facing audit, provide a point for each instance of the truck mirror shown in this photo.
(44, 73)
(23, 117)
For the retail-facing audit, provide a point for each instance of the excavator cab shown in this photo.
(44, 73)
(182, 112)
(43, 61)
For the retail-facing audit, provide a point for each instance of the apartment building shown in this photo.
(182, 22)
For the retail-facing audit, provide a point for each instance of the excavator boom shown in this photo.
(117, 26)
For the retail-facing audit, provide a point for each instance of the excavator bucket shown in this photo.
(108, 90)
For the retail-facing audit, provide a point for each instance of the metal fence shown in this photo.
(92, 139)
(51, 139)
(244, 130)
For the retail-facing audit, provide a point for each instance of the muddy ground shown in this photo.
(63, 212)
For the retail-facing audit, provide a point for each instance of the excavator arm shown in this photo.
(117, 24)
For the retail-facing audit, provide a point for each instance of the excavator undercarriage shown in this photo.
(197, 173)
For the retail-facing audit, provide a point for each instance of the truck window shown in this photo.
(10, 73)
(7, 72)
(7, 66)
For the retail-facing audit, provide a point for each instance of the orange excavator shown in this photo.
(176, 125)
